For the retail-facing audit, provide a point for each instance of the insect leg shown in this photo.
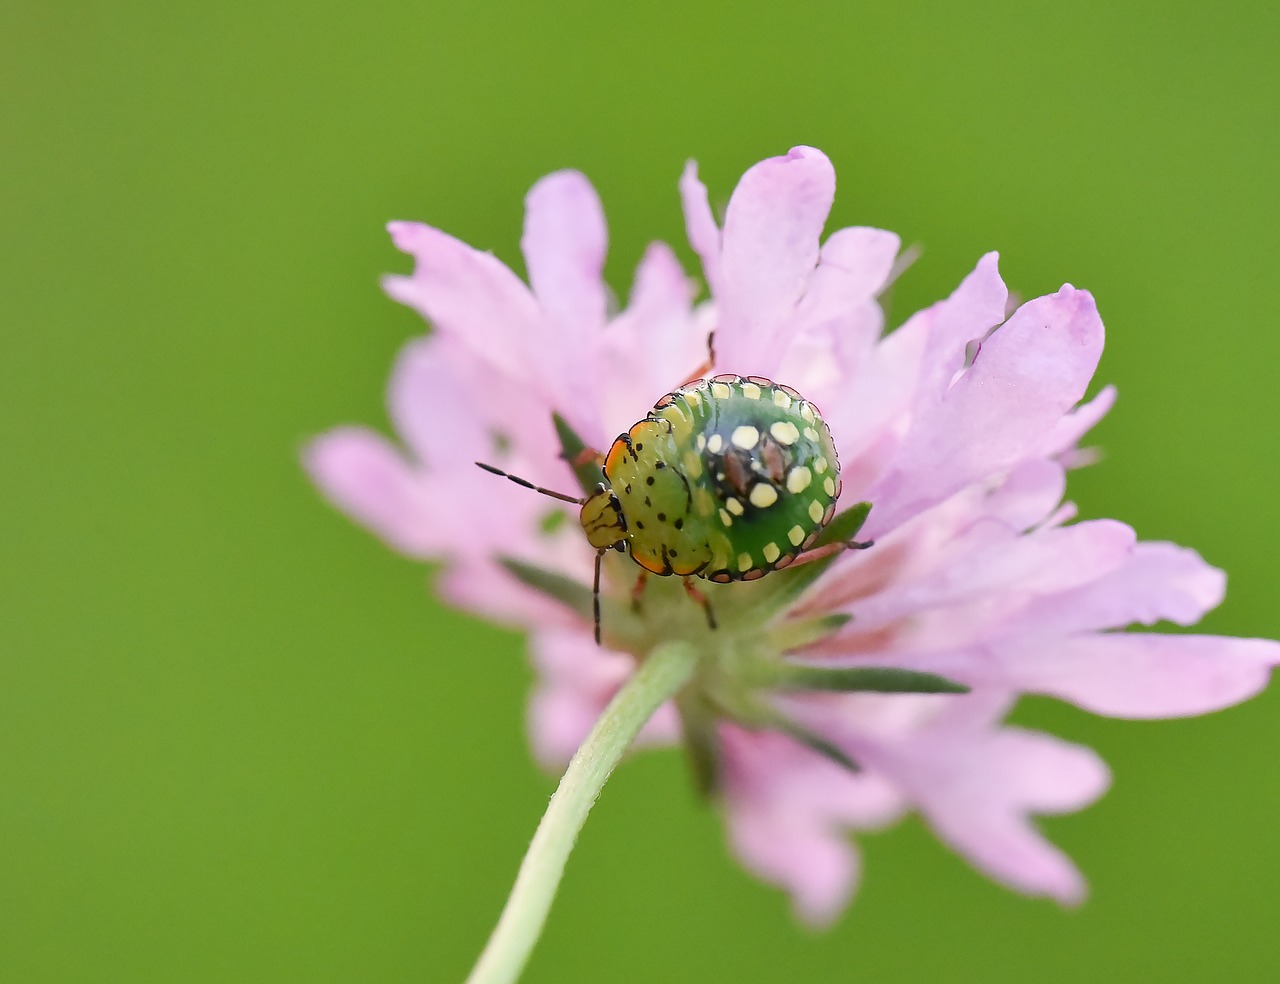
(707, 366)
(587, 456)
(818, 553)
(702, 600)
(641, 580)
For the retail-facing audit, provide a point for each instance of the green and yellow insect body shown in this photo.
(727, 478)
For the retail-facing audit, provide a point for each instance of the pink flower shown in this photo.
(958, 428)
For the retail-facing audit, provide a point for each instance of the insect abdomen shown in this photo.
(761, 467)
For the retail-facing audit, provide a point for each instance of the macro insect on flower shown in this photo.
(834, 695)
(728, 479)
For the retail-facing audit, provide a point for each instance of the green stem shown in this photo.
(656, 680)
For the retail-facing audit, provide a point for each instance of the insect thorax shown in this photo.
(728, 478)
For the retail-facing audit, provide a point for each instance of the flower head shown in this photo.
(957, 428)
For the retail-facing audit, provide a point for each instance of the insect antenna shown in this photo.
(529, 485)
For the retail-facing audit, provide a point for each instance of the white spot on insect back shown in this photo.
(806, 412)
(795, 535)
(751, 391)
(702, 442)
(798, 479)
(734, 506)
(810, 433)
(721, 391)
(744, 562)
(781, 399)
(771, 552)
(726, 518)
(816, 511)
(714, 443)
(763, 495)
(820, 465)
(784, 432)
(745, 437)
(829, 486)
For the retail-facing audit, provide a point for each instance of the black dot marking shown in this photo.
(647, 502)
(639, 525)
(660, 464)
(628, 490)
(649, 480)
(679, 524)
(662, 517)
(639, 447)
(674, 554)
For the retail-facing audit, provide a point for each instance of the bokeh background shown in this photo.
(240, 742)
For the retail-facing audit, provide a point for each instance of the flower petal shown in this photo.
(818, 868)
(838, 321)
(787, 810)
(771, 234)
(1071, 428)
(1158, 581)
(977, 789)
(1144, 674)
(700, 225)
(468, 294)
(564, 245)
(364, 476)
(1028, 374)
(658, 322)
(426, 388)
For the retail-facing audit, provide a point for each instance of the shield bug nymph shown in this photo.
(727, 479)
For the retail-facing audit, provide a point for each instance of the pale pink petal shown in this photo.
(867, 419)
(700, 225)
(1029, 494)
(658, 322)
(1142, 674)
(977, 790)
(364, 476)
(819, 868)
(1159, 581)
(838, 321)
(564, 246)
(466, 293)
(1028, 374)
(991, 557)
(661, 288)
(764, 766)
(855, 265)
(1068, 431)
(788, 810)
(973, 309)
(485, 589)
(424, 396)
(772, 229)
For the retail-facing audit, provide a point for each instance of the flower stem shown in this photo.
(655, 681)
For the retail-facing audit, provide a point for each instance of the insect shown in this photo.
(727, 479)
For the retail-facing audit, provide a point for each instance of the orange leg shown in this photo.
(587, 456)
(819, 553)
(707, 366)
(702, 600)
(641, 580)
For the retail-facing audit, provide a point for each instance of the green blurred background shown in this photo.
(238, 739)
